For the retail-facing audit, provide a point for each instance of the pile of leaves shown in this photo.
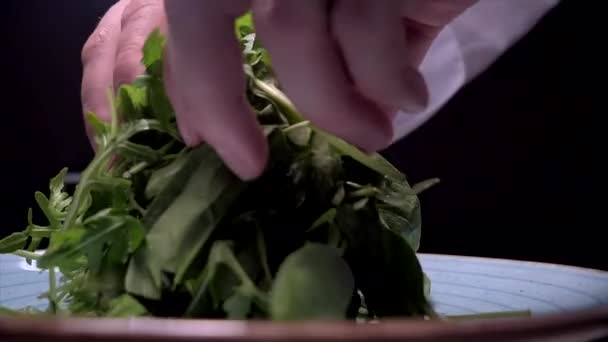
(156, 228)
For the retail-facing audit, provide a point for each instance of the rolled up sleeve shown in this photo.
(467, 47)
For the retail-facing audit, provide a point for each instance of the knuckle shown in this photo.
(281, 16)
(128, 66)
(128, 58)
(95, 43)
(102, 37)
(141, 9)
(351, 20)
(129, 49)
(279, 20)
(352, 10)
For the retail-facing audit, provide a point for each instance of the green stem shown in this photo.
(52, 290)
(83, 185)
(62, 296)
(262, 250)
(367, 191)
(136, 205)
(113, 116)
(296, 126)
(285, 105)
(41, 232)
(135, 169)
(354, 185)
(248, 287)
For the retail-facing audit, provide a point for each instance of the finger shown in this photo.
(420, 37)
(208, 84)
(372, 40)
(437, 13)
(423, 20)
(98, 63)
(309, 67)
(139, 18)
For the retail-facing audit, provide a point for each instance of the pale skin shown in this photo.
(347, 67)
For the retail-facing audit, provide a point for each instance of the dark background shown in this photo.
(517, 149)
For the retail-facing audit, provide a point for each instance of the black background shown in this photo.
(518, 149)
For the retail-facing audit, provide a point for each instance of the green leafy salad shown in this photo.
(156, 228)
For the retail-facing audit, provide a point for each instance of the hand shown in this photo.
(112, 54)
(348, 67)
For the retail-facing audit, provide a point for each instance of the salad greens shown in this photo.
(155, 228)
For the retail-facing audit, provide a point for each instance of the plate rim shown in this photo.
(519, 261)
(592, 323)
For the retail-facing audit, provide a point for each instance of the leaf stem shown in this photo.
(135, 169)
(41, 232)
(262, 250)
(52, 290)
(83, 184)
(366, 191)
(296, 126)
(136, 205)
(425, 185)
(113, 116)
(99, 161)
(286, 107)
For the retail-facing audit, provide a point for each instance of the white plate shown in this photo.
(459, 285)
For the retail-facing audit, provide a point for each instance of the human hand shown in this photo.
(347, 67)
(112, 54)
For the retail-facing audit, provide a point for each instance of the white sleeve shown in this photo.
(467, 47)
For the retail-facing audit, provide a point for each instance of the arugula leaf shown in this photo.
(401, 225)
(373, 161)
(138, 152)
(126, 306)
(54, 208)
(191, 217)
(13, 242)
(313, 283)
(399, 211)
(161, 178)
(237, 306)
(59, 200)
(103, 235)
(427, 287)
(159, 102)
(425, 185)
(155, 227)
(139, 279)
(101, 130)
(153, 52)
(384, 265)
(221, 254)
(65, 250)
(244, 24)
(132, 102)
(113, 237)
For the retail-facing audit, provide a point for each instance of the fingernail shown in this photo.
(381, 138)
(390, 111)
(245, 164)
(187, 136)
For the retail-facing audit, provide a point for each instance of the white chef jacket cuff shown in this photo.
(467, 47)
